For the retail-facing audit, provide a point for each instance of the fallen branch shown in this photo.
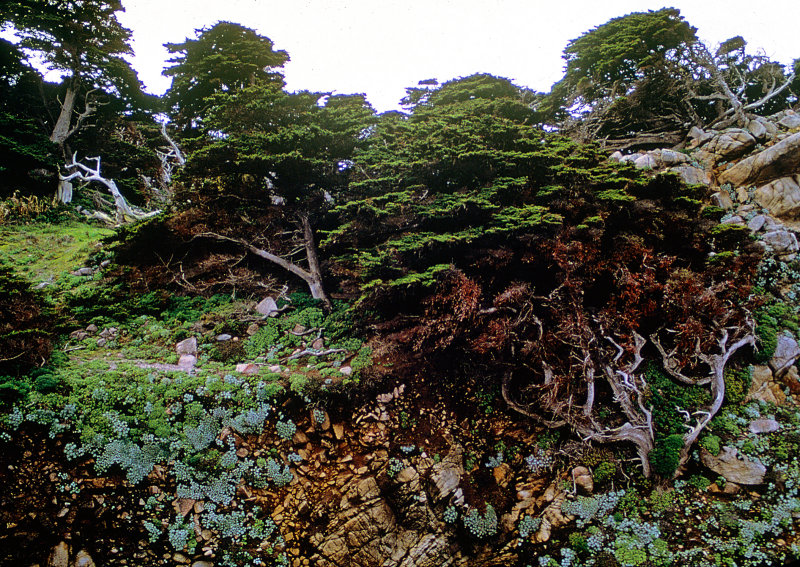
(314, 352)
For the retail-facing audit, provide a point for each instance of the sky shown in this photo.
(380, 47)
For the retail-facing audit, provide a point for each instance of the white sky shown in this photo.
(379, 47)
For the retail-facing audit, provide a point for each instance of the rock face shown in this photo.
(777, 161)
(730, 144)
(692, 175)
(727, 464)
(781, 197)
(782, 242)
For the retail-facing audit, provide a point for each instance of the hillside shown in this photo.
(500, 328)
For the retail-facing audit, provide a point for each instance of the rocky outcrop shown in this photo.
(781, 197)
(777, 161)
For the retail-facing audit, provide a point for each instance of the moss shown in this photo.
(711, 443)
(737, 384)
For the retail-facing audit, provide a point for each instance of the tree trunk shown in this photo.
(315, 284)
(61, 130)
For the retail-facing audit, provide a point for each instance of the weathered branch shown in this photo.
(124, 212)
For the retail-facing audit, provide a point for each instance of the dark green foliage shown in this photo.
(771, 320)
(737, 384)
(665, 455)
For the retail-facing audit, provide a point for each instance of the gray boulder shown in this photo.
(734, 469)
(692, 175)
(267, 307)
(786, 354)
(782, 242)
(730, 144)
(791, 120)
(187, 346)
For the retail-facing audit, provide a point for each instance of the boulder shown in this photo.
(187, 346)
(187, 361)
(83, 559)
(757, 130)
(59, 557)
(764, 426)
(791, 120)
(763, 388)
(722, 199)
(224, 337)
(782, 242)
(781, 197)
(692, 175)
(786, 354)
(776, 161)
(645, 162)
(756, 223)
(247, 368)
(698, 137)
(730, 144)
(734, 469)
(583, 479)
(268, 307)
(669, 158)
(616, 156)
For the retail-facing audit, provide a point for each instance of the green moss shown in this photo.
(737, 384)
(665, 455)
(711, 443)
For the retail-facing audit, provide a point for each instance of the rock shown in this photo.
(223, 337)
(59, 557)
(757, 130)
(786, 354)
(630, 158)
(692, 175)
(202, 564)
(187, 361)
(183, 505)
(776, 161)
(782, 242)
(83, 559)
(583, 479)
(730, 144)
(299, 438)
(728, 465)
(83, 272)
(318, 344)
(742, 196)
(735, 219)
(445, 478)
(645, 162)
(105, 263)
(781, 197)
(252, 329)
(78, 335)
(698, 137)
(275, 368)
(669, 158)
(101, 342)
(722, 199)
(267, 307)
(790, 120)
(763, 387)
(764, 426)
(346, 370)
(502, 475)
(247, 368)
(187, 346)
(756, 223)
(91, 328)
(616, 156)
(338, 431)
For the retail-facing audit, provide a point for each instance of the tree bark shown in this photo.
(317, 290)
(61, 130)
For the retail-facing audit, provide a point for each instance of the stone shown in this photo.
(91, 328)
(83, 272)
(346, 370)
(78, 335)
(698, 137)
(771, 163)
(734, 469)
(223, 337)
(247, 368)
(445, 478)
(59, 557)
(202, 564)
(299, 438)
(268, 307)
(502, 475)
(669, 158)
(731, 144)
(583, 479)
(645, 162)
(782, 242)
(735, 219)
(187, 346)
(756, 223)
(616, 156)
(83, 559)
(763, 387)
(790, 120)
(630, 158)
(757, 130)
(692, 175)
(742, 196)
(764, 426)
(338, 431)
(781, 197)
(183, 505)
(318, 344)
(186, 361)
(722, 199)
(252, 329)
(786, 354)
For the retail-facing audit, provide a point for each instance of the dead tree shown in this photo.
(124, 211)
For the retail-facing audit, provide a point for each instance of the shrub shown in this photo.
(666, 453)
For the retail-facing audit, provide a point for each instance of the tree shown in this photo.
(224, 58)
(286, 151)
(646, 78)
